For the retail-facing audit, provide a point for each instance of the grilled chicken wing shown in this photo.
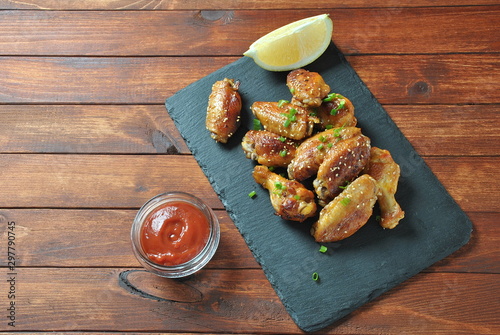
(342, 164)
(223, 111)
(311, 153)
(268, 148)
(348, 212)
(284, 119)
(289, 198)
(337, 112)
(308, 88)
(386, 172)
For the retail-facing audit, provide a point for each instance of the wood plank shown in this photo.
(106, 241)
(405, 79)
(100, 80)
(467, 178)
(88, 129)
(439, 130)
(97, 181)
(221, 4)
(431, 79)
(242, 301)
(230, 33)
(434, 130)
(127, 181)
(86, 238)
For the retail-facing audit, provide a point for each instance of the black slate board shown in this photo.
(357, 269)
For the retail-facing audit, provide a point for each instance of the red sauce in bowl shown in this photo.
(174, 233)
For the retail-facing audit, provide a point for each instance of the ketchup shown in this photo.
(174, 233)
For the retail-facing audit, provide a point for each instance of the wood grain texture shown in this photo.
(98, 181)
(455, 130)
(230, 33)
(220, 4)
(432, 79)
(124, 181)
(434, 130)
(89, 129)
(405, 79)
(86, 238)
(242, 301)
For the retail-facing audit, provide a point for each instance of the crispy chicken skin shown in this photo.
(311, 153)
(268, 148)
(348, 212)
(341, 165)
(223, 111)
(386, 172)
(289, 198)
(338, 112)
(308, 88)
(288, 120)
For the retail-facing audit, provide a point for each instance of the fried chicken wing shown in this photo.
(311, 153)
(268, 148)
(223, 111)
(337, 112)
(341, 165)
(308, 88)
(289, 198)
(386, 172)
(284, 119)
(348, 212)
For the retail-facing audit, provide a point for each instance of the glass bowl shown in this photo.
(147, 214)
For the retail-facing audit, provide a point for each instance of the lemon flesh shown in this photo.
(293, 46)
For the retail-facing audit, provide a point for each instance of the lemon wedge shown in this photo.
(294, 45)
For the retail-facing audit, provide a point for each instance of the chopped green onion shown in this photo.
(322, 138)
(290, 117)
(283, 153)
(256, 124)
(331, 96)
(271, 168)
(339, 107)
(329, 126)
(345, 186)
(282, 102)
(282, 139)
(315, 276)
(378, 218)
(313, 114)
(345, 201)
(278, 185)
(252, 194)
(292, 90)
(329, 145)
(323, 249)
(296, 197)
(321, 146)
(337, 131)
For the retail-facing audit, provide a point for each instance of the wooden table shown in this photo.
(85, 140)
